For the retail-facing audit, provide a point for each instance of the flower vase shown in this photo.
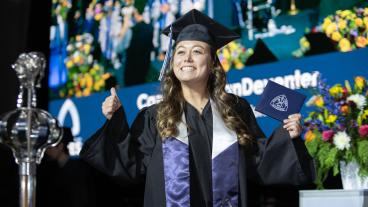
(351, 180)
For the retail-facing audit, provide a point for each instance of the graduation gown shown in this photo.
(136, 155)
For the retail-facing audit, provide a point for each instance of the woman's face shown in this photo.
(191, 62)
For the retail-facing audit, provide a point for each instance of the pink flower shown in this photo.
(327, 135)
(363, 130)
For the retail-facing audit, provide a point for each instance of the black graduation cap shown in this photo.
(195, 25)
(279, 102)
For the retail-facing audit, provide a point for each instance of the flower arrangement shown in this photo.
(347, 28)
(234, 55)
(94, 11)
(304, 47)
(61, 7)
(84, 74)
(337, 130)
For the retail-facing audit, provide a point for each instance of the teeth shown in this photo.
(187, 68)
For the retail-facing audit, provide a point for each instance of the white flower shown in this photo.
(341, 140)
(358, 99)
(69, 48)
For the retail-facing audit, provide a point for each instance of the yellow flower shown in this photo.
(69, 64)
(351, 16)
(331, 118)
(309, 136)
(344, 45)
(239, 65)
(358, 22)
(225, 66)
(89, 81)
(326, 22)
(359, 82)
(98, 85)
(365, 114)
(86, 92)
(232, 45)
(78, 93)
(78, 38)
(345, 13)
(342, 24)
(335, 90)
(82, 82)
(77, 59)
(336, 36)
(304, 42)
(226, 53)
(319, 101)
(87, 48)
(365, 20)
(330, 29)
(70, 92)
(361, 41)
(106, 76)
(366, 11)
(98, 16)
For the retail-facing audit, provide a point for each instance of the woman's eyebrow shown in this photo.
(194, 46)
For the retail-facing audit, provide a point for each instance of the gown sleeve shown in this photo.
(119, 151)
(277, 159)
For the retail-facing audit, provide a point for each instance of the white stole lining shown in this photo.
(222, 136)
(183, 130)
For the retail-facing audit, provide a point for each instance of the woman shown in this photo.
(199, 145)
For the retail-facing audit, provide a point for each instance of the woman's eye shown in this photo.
(180, 52)
(197, 52)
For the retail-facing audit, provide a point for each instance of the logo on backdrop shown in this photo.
(280, 103)
(69, 107)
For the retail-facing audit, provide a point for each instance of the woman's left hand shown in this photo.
(292, 124)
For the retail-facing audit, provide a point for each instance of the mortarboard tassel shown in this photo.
(167, 56)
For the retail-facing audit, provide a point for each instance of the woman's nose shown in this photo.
(188, 57)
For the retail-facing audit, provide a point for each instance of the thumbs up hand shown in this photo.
(111, 104)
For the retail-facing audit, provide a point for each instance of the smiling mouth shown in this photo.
(187, 68)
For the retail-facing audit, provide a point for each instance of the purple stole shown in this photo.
(225, 159)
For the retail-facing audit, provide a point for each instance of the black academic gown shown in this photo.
(135, 155)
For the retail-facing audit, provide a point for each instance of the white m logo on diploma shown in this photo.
(280, 103)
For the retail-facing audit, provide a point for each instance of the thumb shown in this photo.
(113, 91)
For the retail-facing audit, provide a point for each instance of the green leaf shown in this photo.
(312, 147)
(349, 156)
(325, 113)
(336, 169)
(322, 155)
(331, 157)
(320, 117)
(347, 86)
(362, 152)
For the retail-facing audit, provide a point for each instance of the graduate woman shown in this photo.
(200, 144)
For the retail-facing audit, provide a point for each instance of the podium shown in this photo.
(333, 198)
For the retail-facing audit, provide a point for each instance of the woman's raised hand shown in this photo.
(293, 126)
(111, 104)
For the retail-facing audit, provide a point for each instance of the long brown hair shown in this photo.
(170, 109)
